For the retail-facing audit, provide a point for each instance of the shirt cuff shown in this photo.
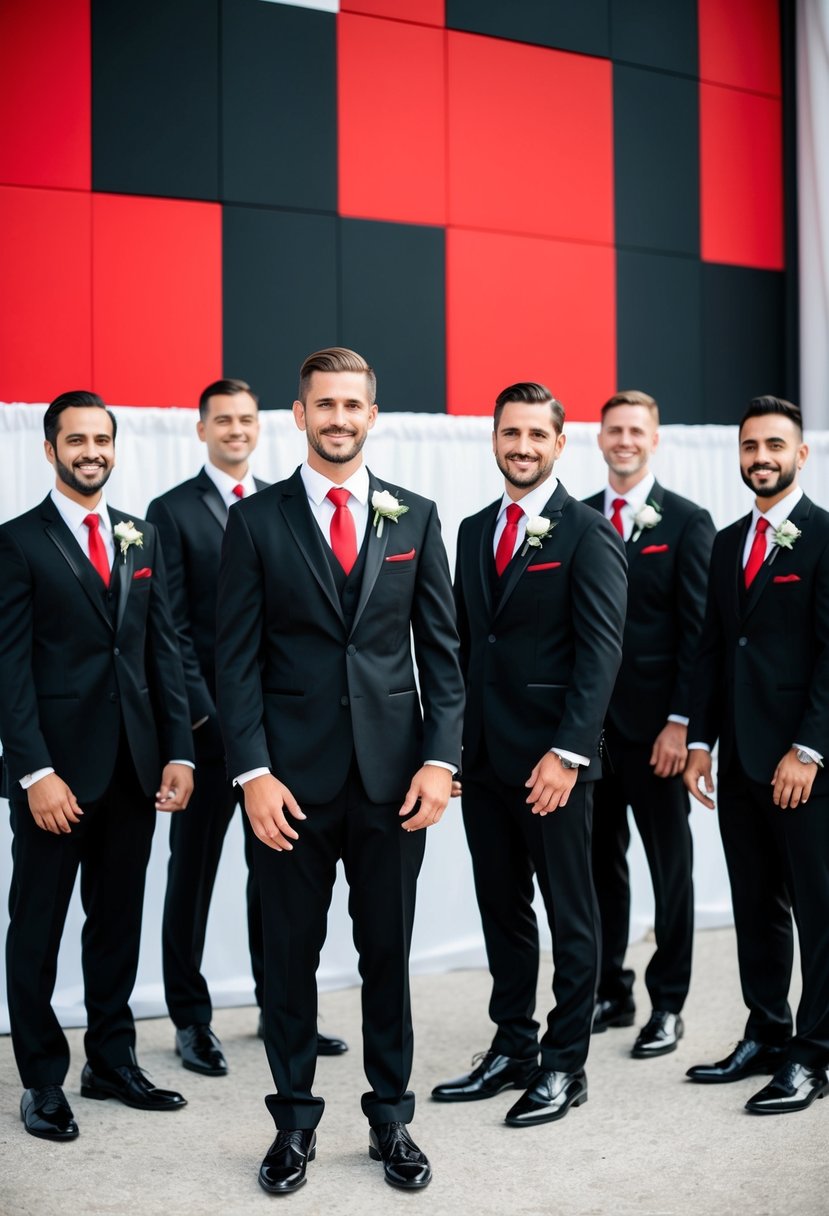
(582, 761)
(698, 747)
(243, 778)
(31, 778)
(450, 768)
(678, 718)
(810, 751)
(186, 763)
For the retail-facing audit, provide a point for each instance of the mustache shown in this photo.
(336, 430)
(762, 468)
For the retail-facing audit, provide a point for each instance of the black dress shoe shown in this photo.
(201, 1051)
(47, 1115)
(404, 1164)
(793, 1087)
(283, 1168)
(613, 1013)
(493, 1074)
(549, 1098)
(326, 1046)
(130, 1085)
(748, 1059)
(660, 1034)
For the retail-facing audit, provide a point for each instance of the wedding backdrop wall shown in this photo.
(450, 460)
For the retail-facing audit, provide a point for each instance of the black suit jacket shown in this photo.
(298, 690)
(541, 661)
(761, 679)
(191, 520)
(75, 665)
(667, 580)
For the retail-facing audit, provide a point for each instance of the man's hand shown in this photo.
(175, 789)
(457, 788)
(669, 751)
(433, 786)
(699, 765)
(792, 781)
(549, 784)
(53, 804)
(266, 801)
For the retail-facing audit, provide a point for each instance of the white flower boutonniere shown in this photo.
(648, 516)
(538, 529)
(127, 533)
(386, 506)
(785, 536)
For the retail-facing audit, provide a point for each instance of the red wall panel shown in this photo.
(741, 185)
(739, 43)
(45, 89)
(157, 299)
(524, 308)
(45, 272)
(530, 134)
(425, 12)
(392, 157)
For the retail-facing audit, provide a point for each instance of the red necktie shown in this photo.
(757, 554)
(343, 533)
(238, 490)
(97, 548)
(616, 517)
(506, 543)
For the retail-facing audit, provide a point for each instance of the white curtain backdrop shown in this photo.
(450, 460)
(813, 205)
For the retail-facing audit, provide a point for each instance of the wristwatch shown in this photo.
(565, 763)
(805, 758)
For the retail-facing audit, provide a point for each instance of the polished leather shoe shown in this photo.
(493, 1074)
(47, 1115)
(404, 1164)
(793, 1087)
(549, 1098)
(613, 1013)
(748, 1059)
(660, 1034)
(130, 1085)
(200, 1050)
(283, 1168)
(326, 1045)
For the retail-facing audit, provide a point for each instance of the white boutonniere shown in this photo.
(127, 533)
(538, 529)
(786, 534)
(386, 506)
(648, 516)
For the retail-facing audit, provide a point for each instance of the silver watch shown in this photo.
(805, 758)
(565, 763)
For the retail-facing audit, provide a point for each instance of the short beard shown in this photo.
(783, 482)
(339, 457)
(68, 478)
(528, 480)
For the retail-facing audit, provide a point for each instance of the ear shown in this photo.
(372, 414)
(299, 414)
(200, 430)
(50, 451)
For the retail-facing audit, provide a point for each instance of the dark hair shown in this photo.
(336, 359)
(773, 405)
(79, 398)
(530, 393)
(223, 388)
(632, 396)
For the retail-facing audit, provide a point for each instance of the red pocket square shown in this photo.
(544, 566)
(786, 578)
(402, 557)
(655, 549)
(144, 572)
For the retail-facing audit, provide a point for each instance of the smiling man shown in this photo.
(761, 688)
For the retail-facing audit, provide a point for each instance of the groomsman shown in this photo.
(668, 544)
(325, 580)
(95, 729)
(540, 593)
(761, 687)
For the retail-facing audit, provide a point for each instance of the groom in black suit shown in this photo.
(761, 687)
(95, 729)
(540, 592)
(668, 544)
(325, 580)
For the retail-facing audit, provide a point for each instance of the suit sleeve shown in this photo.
(813, 730)
(198, 694)
(694, 557)
(437, 650)
(709, 664)
(24, 746)
(461, 614)
(165, 670)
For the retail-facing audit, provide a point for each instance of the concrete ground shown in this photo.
(646, 1143)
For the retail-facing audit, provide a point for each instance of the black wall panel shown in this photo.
(656, 137)
(155, 97)
(655, 33)
(279, 273)
(570, 25)
(279, 105)
(393, 309)
(742, 339)
(658, 306)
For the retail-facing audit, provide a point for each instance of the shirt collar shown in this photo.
(635, 498)
(317, 485)
(74, 513)
(780, 511)
(224, 483)
(532, 504)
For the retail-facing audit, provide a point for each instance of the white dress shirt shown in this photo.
(226, 484)
(635, 499)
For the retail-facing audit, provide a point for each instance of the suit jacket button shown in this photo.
(116, 652)
(491, 637)
(343, 701)
(113, 696)
(742, 642)
(351, 650)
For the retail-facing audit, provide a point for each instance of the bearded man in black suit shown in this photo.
(668, 544)
(95, 729)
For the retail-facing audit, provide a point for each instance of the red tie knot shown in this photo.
(762, 525)
(93, 521)
(618, 503)
(514, 513)
(239, 490)
(339, 497)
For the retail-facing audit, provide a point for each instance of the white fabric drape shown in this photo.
(447, 459)
(812, 17)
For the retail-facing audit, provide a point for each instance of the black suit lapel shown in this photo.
(634, 547)
(528, 553)
(74, 556)
(752, 595)
(375, 552)
(307, 535)
(212, 499)
(485, 557)
(123, 570)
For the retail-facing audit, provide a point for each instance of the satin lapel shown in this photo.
(799, 515)
(737, 567)
(486, 556)
(305, 532)
(213, 500)
(634, 547)
(73, 555)
(375, 551)
(528, 553)
(124, 569)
